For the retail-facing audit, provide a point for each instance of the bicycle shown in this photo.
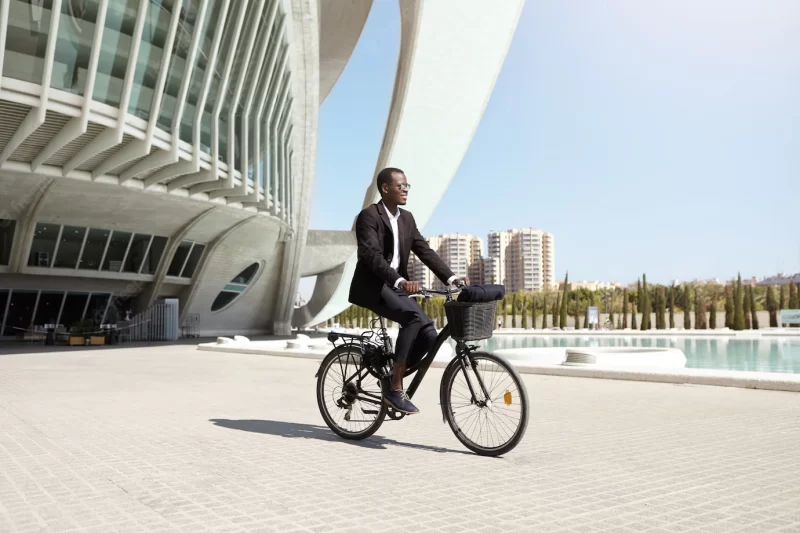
(352, 405)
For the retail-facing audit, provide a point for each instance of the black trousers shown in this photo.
(417, 331)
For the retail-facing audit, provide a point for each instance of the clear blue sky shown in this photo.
(659, 137)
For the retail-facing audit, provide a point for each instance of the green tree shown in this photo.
(738, 306)
(556, 309)
(672, 307)
(633, 314)
(753, 314)
(687, 307)
(514, 311)
(729, 307)
(640, 299)
(564, 299)
(772, 307)
(505, 311)
(746, 307)
(524, 312)
(533, 311)
(793, 298)
(645, 304)
(544, 311)
(625, 309)
(662, 309)
(576, 312)
(782, 303)
(712, 312)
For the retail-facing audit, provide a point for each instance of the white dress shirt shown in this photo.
(395, 263)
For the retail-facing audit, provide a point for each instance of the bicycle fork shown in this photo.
(463, 359)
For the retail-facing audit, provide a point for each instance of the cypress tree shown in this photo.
(746, 307)
(544, 312)
(793, 299)
(662, 309)
(633, 314)
(782, 303)
(555, 310)
(524, 312)
(738, 306)
(712, 315)
(575, 312)
(505, 312)
(646, 306)
(772, 308)
(728, 307)
(672, 307)
(698, 311)
(753, 314)
(564, 300)
(611, 311)
(514, 311)
(687, 311)
(640, 299)
(533, 311)
(625, 309)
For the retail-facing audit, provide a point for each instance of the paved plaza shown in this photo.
(173, 439)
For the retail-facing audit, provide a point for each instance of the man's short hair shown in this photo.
(387, 176)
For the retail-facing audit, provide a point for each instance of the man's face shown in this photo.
(397, 192)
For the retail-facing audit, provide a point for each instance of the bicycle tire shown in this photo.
(327, 362)
(450, 374)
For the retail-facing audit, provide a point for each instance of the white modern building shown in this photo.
(522, 260)
(461, 251)
(155, 150)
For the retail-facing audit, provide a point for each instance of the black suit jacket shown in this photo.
(375, 249)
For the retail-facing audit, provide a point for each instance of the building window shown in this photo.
(28, 24)
(194, 260)
(74, 307)
(115, 254)
(96, 311)
(3, 305)
(20, 312)
(186, 259)
(69, 247)
(44, 244)
(48, 308)
(136, 254)
(236, 287)
(94, 248)
(6, 241)
(154, 255)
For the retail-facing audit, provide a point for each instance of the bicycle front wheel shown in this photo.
(489, 424)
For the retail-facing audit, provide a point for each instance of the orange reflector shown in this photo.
(507, 398)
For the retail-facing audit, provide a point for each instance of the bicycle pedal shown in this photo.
(394, 414)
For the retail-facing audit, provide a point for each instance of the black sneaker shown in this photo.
(399, 400)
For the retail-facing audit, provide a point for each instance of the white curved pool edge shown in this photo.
(687, 376)
(714, 333)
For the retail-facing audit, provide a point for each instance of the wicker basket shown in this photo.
(471, 321)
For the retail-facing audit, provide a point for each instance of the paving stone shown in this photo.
(172, 439)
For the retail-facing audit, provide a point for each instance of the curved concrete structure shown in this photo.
(341, 23)
(450, 56)
(153, 150)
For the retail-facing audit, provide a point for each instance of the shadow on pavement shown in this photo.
(292, 430)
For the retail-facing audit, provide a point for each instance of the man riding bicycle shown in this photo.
(386, 235)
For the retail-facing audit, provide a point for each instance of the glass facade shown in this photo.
(115, 51)
(117, 247)
(69, 247)
(7, 228)
(22, 310)
(94, 248)
(45, 238)
(186, 258)
(89, 248)
(76, 28)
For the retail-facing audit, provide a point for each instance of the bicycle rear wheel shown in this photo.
(495, 424)
(348, 395)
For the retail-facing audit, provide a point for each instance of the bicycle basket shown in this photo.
(471, 321)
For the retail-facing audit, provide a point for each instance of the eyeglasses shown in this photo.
(404, 187)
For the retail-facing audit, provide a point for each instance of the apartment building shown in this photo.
(461, 251)
(522, 260)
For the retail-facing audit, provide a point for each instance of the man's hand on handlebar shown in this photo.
(410, 287)
(461, 282)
